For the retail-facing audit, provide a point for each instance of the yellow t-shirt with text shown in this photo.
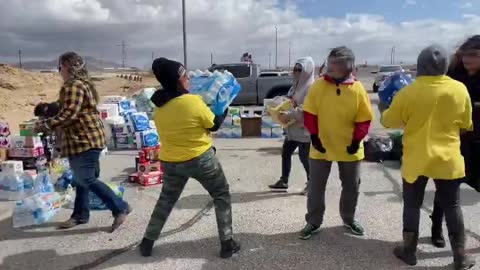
(182, 126)
(337, 114)
(432, 110)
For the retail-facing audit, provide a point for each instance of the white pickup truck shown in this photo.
(256, 85)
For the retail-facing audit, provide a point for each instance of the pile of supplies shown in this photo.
(148, 169)
(125, 126)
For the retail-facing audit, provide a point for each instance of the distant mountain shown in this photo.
(93, 64)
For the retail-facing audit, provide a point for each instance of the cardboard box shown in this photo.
(150, 179)
(120, 128)
(149, 167)
(108, 110)
(148, 138)
(113, 99)
(124, 141)
(4, 129)
(133, 178)
(12, 167)
(4, 142)
(3, 154)
(25, 152)
(251, 126)
(139, 121)
(26, 128)
(25, 142)
(126, 106)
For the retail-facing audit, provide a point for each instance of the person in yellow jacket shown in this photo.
(184, 123)
(433, 112)
(337, 114)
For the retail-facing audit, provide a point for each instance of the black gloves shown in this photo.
(218, 121)
(317, 144)
(353, 148)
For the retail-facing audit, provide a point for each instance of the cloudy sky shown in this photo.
(43, 29)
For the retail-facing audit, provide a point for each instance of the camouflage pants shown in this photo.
(207, 170)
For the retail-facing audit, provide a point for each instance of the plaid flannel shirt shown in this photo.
(78, 118)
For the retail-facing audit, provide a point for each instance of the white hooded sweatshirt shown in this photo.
(298, 92)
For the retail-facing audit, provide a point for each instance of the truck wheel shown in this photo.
(375, 88)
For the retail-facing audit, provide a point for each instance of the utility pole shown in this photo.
(153, 56)
(276, 47)
(392, 55)
(270, 60)
(289, 53)
(124, 53)
(184, 34)
(20, 58)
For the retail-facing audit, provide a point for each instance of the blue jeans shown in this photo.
(86, 170)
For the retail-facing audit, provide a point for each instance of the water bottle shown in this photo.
(28, 183)
(43, 183)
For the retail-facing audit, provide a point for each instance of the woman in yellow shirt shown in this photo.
(184, 123)
(433, 111)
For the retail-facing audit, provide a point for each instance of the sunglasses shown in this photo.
(297, 70)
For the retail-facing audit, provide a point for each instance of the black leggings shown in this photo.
(447, 196)
(287, 151)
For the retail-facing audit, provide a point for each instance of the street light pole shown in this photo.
(289, 53)
(184, 35)
(276, 47)
(269, 60)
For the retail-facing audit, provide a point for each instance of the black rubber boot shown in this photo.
(460, 258)
(437, 233)
(146, 247)
(229, 248)
(408, 251)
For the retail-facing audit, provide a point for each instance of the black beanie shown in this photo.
(167, 72)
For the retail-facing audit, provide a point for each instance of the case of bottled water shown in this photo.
(218, 89)
(36, 209)
(15, 186)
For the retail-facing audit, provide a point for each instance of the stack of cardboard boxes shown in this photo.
(26, 147)
(4, 140)
(244, 122)
(125, 127)
(148, 167)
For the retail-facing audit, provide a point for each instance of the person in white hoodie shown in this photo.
(296, 134)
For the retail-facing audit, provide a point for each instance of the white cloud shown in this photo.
(466, 5)
(226, 28)
(410, 3)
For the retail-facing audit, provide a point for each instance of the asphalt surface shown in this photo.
(266, 223)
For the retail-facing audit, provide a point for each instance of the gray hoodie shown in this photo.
(432, 61)
(297, 131)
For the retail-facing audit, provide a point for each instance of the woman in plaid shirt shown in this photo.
(83, 140)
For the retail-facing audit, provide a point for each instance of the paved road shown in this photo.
(265, 223)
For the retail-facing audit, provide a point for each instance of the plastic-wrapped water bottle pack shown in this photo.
(218, 89)
(16, 186)
(392, 84)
